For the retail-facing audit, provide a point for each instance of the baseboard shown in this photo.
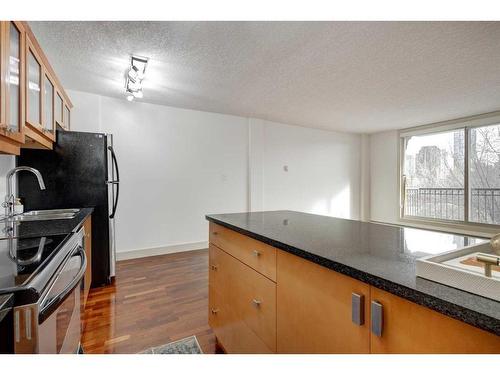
(141, 253)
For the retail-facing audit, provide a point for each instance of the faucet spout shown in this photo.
(9, 199)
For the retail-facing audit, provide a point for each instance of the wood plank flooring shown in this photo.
(154, 300)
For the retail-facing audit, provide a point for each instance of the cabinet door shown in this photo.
(13, 89)
(59, 110)
(33, 88)
(48, 110)
(244, 304)
(411, 328)
(255, 254)
(66, 116)
(314, 309)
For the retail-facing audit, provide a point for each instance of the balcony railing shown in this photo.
(448, 203)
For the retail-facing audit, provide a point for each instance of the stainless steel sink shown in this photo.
(39, 215)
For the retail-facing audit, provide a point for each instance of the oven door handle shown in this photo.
(53, 303)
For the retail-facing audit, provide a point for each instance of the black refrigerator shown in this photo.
(81, 171)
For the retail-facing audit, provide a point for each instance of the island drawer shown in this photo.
(249, 296)
(255, 254)
(232, 333)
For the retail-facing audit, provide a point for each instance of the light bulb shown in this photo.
(138, 94)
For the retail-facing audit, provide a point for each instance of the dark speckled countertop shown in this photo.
(41, 228)
(381, 255)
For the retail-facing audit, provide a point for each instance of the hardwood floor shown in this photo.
(154, 300)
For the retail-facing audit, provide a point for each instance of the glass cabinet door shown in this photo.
(13, 80)
(34, 89)
(59, 110)
(48, 110)
(66, 117)
(13, 74)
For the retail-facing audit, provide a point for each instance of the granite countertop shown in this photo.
(380, 255)
(47, 227)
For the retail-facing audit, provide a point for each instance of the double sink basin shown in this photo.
(39, 215)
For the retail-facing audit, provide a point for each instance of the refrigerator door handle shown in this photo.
(115, 182)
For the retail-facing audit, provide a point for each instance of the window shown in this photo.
(452, 172)
(484, 174)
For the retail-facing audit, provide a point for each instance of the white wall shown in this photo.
(323, 169)
(384, 193)
(177, 165)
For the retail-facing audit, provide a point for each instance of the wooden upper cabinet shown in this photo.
(12, 66)
(410, 328)
(49, 123)
(33, 88)
(318, 310)
(66, 117)
(59, 105)
(32, 100)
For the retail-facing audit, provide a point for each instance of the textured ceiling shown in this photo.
(348, 76)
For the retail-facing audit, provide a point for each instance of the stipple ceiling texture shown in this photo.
(348, 76)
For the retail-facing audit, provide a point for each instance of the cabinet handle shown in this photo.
(213, 267)
(358, 309)
(17, 326)
(27, 322)
(214, 311)
(256, 302)
(256, 253)
(377, 318)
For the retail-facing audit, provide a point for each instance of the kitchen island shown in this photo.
(290, 282)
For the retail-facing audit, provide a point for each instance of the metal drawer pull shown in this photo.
(214, 311)
(27, 323)
(358, 309)
(256, 302)
(17, 328)
(256, 253)
(377, 318)
(213, 267)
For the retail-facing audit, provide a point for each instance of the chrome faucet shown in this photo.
(9, 198)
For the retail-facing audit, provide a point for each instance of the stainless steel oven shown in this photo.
(53, 323)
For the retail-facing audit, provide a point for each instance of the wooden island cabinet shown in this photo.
(314, 309)
(266, 300)
(411, 328)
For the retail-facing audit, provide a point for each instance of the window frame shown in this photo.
(466, 123)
